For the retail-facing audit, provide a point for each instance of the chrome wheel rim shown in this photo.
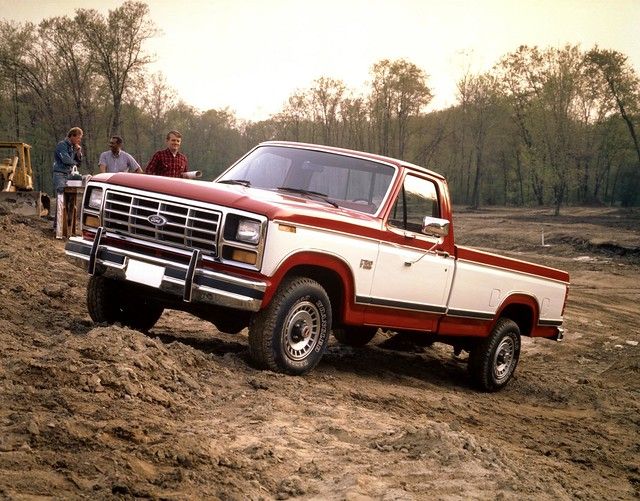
(504, 359)
(302, 330)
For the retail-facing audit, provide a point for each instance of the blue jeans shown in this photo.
(59, 182)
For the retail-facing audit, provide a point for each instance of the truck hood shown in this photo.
(274, 205)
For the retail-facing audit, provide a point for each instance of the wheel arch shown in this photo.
(522, 309)
(331, 272)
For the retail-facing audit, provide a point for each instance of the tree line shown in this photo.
(544, 126)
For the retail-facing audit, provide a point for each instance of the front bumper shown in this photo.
(189, 281)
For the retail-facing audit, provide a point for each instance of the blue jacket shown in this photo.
(65, 157)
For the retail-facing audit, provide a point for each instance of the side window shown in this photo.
(417, 198)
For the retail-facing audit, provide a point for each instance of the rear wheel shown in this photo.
(493, 361)
(354, 336)
(110, 301)
(291, 334)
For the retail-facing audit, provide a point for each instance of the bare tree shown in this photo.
(381, 105)
(158, 99)
(623, 84)
(479, 96)
(326, 97)
(354, 116)
(75, 77)
(296, 117)
(117, 46)
(542, 89)
(412, 96)
(398, 92)
(518, 84)
(32, 67)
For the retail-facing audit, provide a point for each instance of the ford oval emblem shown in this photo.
(157, 220)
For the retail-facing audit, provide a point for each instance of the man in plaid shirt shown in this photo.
(169, 162)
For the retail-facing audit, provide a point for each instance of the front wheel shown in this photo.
(493, 361)
(291, 334)
(110, 301)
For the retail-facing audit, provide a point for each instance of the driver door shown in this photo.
(412, 276)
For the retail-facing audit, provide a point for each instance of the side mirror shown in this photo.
(435, 226)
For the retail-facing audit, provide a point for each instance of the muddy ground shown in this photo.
(98, 412)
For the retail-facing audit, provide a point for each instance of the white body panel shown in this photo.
(482, 288)
(352, 250)
(425, 282)
(431, 283)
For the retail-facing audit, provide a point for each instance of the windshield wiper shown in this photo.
(321, 196)
(243, 182)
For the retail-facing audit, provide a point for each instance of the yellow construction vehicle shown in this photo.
(16, 180)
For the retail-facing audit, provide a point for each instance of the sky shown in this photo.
(251, 55)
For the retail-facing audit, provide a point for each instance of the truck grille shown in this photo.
(186, 226)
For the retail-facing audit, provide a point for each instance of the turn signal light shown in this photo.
(244, 256)
(91, 220)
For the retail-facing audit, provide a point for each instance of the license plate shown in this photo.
(144, 273)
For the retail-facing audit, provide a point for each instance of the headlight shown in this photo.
(248, 231)
(95, 198)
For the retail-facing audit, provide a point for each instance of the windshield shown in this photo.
(340, 180)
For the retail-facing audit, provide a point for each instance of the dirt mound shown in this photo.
(95, 411)
(598, 246)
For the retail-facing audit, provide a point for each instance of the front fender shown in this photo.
(323, 267)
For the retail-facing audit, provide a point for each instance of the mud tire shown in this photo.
(110, 301)
(291, 334)
(101, 300)
(493, 361)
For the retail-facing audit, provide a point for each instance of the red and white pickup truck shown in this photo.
(297, 241)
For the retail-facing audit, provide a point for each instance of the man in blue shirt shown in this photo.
(68, 153)
(116, 159)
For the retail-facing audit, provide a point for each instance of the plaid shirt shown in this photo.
(163, 163)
